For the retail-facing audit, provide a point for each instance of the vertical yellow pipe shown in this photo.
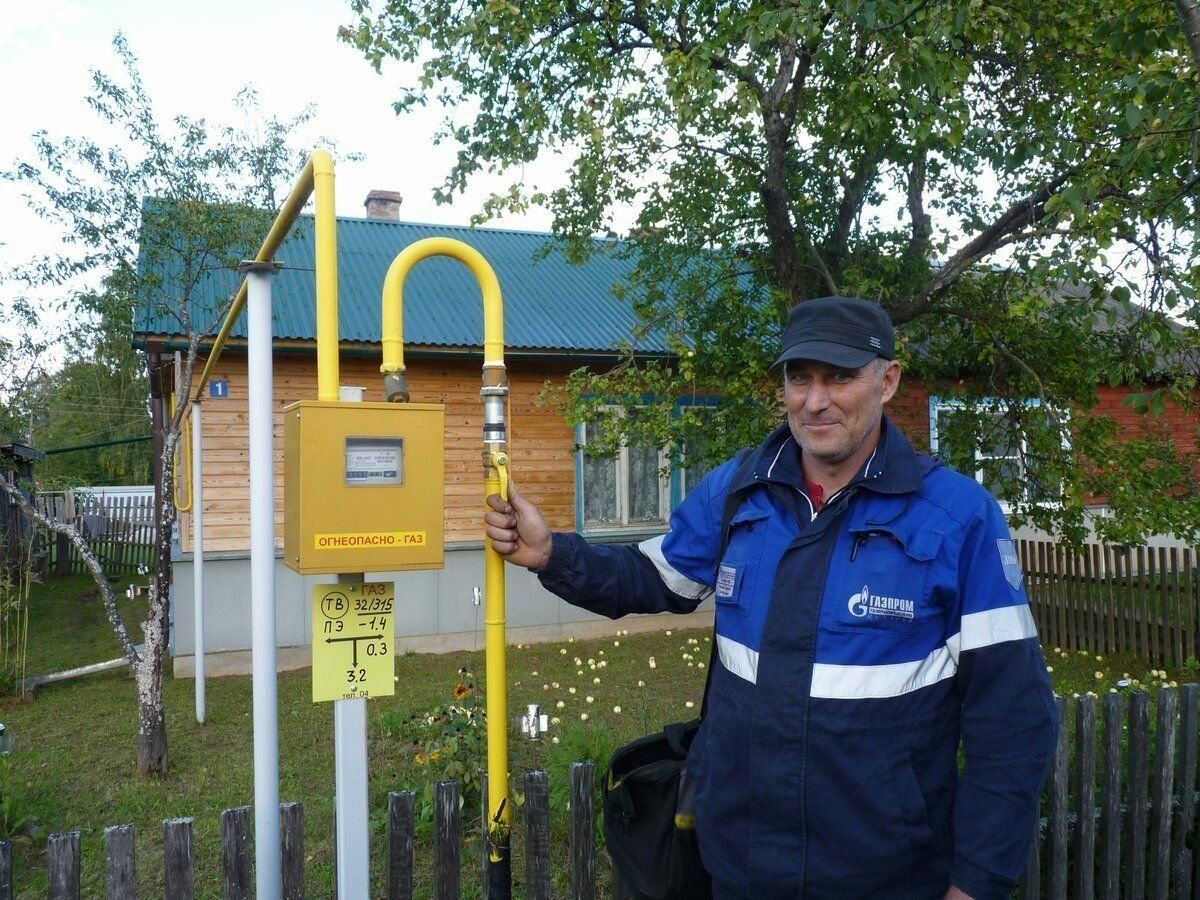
(495, 461)
(326, 276)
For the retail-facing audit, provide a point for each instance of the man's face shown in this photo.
(834, 412)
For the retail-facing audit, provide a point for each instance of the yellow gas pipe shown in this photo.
(495, 467)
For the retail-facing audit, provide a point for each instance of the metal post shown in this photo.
(262, 581)
(350, 801)
(350, 771)
(198, 560)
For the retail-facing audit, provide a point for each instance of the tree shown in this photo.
(145, 219)
(98, 398)
(991, 172)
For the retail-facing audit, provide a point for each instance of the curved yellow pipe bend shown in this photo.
(393, 300)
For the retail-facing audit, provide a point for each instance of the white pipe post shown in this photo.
(198, 560)
(350, 771)
(267, 865)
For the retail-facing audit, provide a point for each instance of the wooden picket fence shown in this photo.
(119, 530)
(1113, 599)
(1118, 823)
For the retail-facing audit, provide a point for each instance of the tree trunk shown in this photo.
(152, 722)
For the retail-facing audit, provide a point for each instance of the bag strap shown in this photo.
(733, 500)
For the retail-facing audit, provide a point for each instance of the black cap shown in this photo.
(839, 331)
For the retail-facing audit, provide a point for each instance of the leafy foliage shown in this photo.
(447, 742)
(1015, 182)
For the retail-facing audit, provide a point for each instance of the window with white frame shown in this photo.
(624, 491)
(1000, 444)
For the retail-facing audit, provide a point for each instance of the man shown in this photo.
(869, 619)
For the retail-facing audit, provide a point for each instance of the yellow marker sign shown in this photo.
(390, 539)
(353, 642)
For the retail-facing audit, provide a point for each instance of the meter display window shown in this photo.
(374, 462)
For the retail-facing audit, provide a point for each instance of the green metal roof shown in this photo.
(549, 303)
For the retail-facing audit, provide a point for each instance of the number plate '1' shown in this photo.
(353, 641)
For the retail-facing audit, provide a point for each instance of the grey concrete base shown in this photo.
(435, 611)
(237, 662)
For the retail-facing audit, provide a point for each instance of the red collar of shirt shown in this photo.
(816, 494)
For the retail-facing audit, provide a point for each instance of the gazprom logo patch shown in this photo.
(864, 605)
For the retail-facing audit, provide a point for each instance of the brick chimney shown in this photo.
(384, 205)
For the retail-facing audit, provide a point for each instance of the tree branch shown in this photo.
(1024, 212)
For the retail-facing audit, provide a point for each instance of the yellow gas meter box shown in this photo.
(363, 486)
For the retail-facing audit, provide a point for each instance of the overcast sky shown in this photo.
(194, 57)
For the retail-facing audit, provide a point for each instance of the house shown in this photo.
(557, 317)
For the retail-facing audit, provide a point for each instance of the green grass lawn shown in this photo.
(73, 767)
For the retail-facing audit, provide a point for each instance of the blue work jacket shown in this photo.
(858, 647)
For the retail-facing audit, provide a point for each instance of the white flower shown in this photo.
(533, 673)
(602, 664)
(689, 704)
(578, 661)
(560, 704)
(1049, 668)
(554, 740)
(599, 652)
(579, 671)
(616, 643)
(590, 698)
(554, 684)
(591, 662)
(641, 684)
(583, 717)
(563, 651)
(1099, 676)
(570, 690)
(570, 640)
(595, 681)
(699, 665)
(668, 634)
(653, 664)
(555, 720)
(545, 687)
(617, 710)
(1099, 659)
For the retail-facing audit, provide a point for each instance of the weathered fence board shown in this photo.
(291, 837)
(178, 867)
(583, 817)
(1059, 787)
(1085, 797)
(537, 835)
(447, 854)
(1163, 785)
(1111, 819)
(401, 805)
(235, 854)
(62, 866)
(120, 867)
(1135, 825)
